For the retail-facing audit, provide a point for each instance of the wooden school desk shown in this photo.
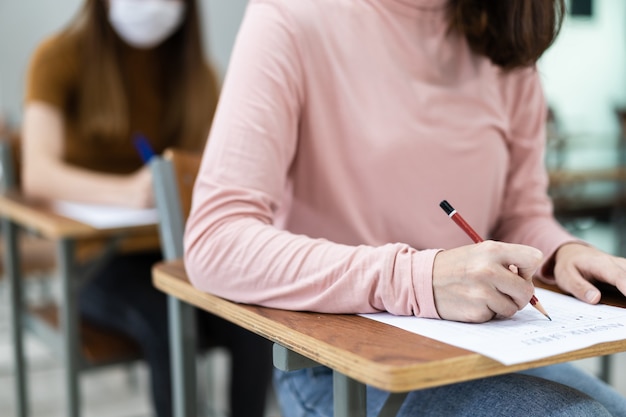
(360, 351)
(76, 242)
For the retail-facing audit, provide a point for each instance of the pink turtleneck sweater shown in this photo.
(341, 126)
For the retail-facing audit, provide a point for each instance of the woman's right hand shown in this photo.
(138, 191)
(476, 283)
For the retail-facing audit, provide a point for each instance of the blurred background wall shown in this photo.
(24, 23)
(584, 72)
(584, 76)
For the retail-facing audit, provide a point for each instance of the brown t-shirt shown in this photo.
(53, 78)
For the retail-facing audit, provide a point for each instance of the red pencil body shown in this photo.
(458, 219)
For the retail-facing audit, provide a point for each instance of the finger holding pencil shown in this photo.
(460, 221)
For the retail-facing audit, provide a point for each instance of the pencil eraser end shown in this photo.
(446, 207)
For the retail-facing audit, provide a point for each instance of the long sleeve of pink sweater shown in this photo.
(341, 126)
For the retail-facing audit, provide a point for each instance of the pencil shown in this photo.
(142, 144)
(460, 221)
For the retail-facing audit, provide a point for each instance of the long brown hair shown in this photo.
(102, 104)
(512, 33)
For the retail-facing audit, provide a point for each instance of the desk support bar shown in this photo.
(182, 322)
(69, 322)
(13, 273)
(348, 396)
(392, 405)
(288, 360)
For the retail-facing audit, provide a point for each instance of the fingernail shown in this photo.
(591, 295)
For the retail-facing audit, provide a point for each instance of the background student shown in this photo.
(341, 126)
(123, 67)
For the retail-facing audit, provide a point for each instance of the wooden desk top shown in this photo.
(565, 177)
(37, 216)
(98, 346)
(572, 196)
(370, 352)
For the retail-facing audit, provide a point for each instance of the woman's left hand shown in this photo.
(577, 265)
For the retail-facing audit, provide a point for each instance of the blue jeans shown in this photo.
(559, 390)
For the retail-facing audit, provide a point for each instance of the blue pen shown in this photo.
(143, 147)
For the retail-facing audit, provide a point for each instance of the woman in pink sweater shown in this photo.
(341, 126)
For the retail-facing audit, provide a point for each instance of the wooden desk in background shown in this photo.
(360, 351)
(571, 193)
(80, 247)
(576, 200)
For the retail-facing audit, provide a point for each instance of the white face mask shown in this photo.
(145, 23)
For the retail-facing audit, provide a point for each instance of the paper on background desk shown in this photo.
(106, 217)
(528, 335)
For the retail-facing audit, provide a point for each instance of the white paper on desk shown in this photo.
(528, 335)
(106, 217)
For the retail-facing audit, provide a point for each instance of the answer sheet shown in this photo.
(106, 217)
(528, 335)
